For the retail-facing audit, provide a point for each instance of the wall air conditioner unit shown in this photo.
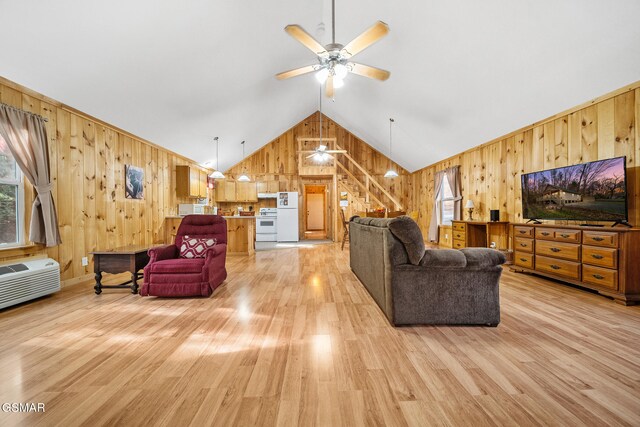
(29, 279)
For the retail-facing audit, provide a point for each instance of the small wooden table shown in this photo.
(119, 260)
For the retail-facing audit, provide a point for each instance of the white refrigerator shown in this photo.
(287, 204)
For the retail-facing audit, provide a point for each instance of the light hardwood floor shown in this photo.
(292, 338)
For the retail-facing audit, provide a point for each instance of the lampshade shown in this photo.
(322, 75)
(337, 82)
(341, 71)
(244, 178)
(217, 175)
(469, 204)
(391, 174)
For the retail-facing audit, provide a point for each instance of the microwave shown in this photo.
(190, 209)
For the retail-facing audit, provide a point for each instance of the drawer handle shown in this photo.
(522, 232)
(596, 256)
(555, 267)
(544, 233)
(598, 276)
(598, 239)
(566, 236)
(524, 245)
(555, 250)
(524, 259)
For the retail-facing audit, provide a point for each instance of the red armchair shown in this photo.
(168, 275)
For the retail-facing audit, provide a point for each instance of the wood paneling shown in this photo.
(490, 173)
(87, 158)
(277, 161)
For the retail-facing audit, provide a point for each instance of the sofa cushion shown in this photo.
(196, 247)
(443, 258)
(483, 257)
(178, 266)
(408, 232)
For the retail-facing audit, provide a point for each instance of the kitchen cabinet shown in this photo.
(191, 182)
(225, 190)
(268, 186)
(236, 191)
(246, 192)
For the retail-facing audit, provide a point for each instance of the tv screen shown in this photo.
(594, 191)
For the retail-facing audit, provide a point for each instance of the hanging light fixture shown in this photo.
(320, 155)
(243, 177)
(216, 173)
(390, 173)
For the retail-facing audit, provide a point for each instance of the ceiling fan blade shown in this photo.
(368, 71)
(328, 87)
(295, 72)
(366, 39)
(336, 151)
(311, 155)
(298, 33)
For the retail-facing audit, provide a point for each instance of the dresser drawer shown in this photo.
(573, 236)
(460, 235)
(522, 231)
(458, 244)
(600, 238)
(459, 226)
(603, 257)
(558, 266)
(523, 245)
(568, 251)
(544, 233)
(524, 259)
(600, 276)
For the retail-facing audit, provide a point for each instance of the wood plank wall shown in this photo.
(87, 158)
(603, 128)
(277, 161)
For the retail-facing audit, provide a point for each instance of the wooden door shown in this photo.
(315, 212)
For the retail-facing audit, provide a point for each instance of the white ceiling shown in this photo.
(179, 73)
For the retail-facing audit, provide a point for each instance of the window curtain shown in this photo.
(453, 176)
(26, 137)
(437, 188)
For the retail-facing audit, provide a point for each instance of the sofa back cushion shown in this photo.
(213, 226)
(407, 231)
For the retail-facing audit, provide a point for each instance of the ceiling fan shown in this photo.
(334, 59)
(322, 154)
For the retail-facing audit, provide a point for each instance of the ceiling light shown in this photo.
(390, 173)
(341, 71)
(243, 177)
(216, 173)
(322, 75)
(337, 82)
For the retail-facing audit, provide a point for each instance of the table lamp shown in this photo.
(470, 206)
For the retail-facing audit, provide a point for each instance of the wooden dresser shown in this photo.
(603, 259)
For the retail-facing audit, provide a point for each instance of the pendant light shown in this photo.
(216, 173)
(390, 173)
(243, 177)
(320, 155)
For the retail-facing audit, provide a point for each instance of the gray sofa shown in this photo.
(417, 286)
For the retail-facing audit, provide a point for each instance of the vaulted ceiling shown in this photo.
(179, 73)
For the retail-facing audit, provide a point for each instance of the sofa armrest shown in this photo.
(215, 251)
(443, 258)
(162, 252)
(483, 257)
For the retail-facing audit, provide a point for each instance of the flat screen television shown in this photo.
(594, 191)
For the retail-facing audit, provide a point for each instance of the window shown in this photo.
(11, 199)
(446, 200)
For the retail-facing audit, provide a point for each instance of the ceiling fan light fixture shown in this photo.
(337, 82)
(340, 71)
(321, 75)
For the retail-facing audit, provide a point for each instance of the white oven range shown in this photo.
(266, 225)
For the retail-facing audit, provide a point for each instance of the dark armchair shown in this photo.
(169, 275)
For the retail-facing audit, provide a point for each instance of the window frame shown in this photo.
(442, 199)
(20, 211)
